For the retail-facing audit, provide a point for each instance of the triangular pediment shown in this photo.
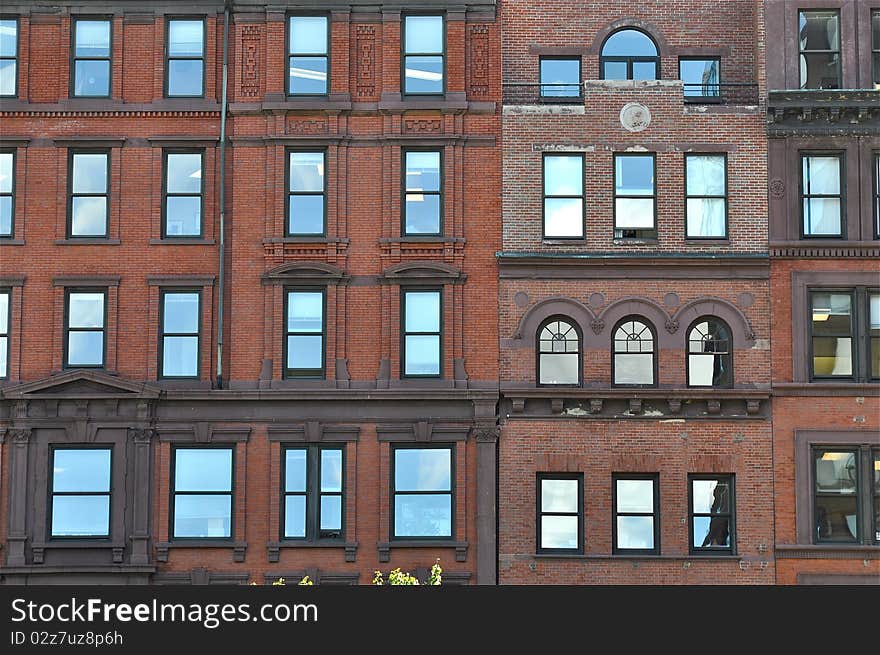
(82, 384)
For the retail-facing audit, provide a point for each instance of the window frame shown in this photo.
(730, 478)
(73, 58)
(452, 488)
(701, 98)
(168, 57)
(564, 98)
(289, 193)
(841, 197)
(16, 58)
(860, 325)
(726, 197)
(166, 194)
(304, 374)
(876, 180)
(539, 513)
(53, 448)
(729, 354)
(289, 55)
(172, 483)
(440, 150)
(655, 479)
(874, 498)
(404, 54)
(875, 48)
(71, 153)
(7, 291)
(67, 329)
(630, 60)
(649, 234)
(654, 358)
(10, 193)
(801, 53)
(582, 197)
(815, 449)
(403, 332)
(162, 334)
(312, 493)
(580, 343)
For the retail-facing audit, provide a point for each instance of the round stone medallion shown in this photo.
(635, 117)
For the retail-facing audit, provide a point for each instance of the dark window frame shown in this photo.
(875, 48)
(729, 354)
(802, 196)
(17, 57)
(875, 497)
(73, 58)
(53, 448)
(876, 181)
(313, 493)
(290, 55)
(452, 488)
(702, 98)
(10, 194)
(71, 153)
(403, 332)
(582, 197)
(305, 374)
(7, 291)
(580, 351)
(726, 197)
(441, 192)
(562, 98)
(815, 494)
(173, 492)
(654, 358)
(540, 514)
(655, 478)
(630, 59)
(860, 328)
(166, 194)
(162, 334)
(730, 478)
(67, 329)
(323, 193)
(643, 233)
(404, 54)
(169, 57)
(839, 53)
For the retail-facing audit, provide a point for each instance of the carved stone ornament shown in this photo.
(597, 325)
(141, 435)
(672, 326)
(635, 117)
(777, 188)
(20, 435)
(487, 435)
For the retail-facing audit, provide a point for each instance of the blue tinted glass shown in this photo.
(88, 216)
(705, 175)
(422, 213)
(80, 516)
(644, 70)
(306, 214)
(422, 516)
(331, 512)
(635, 532)
(308, 75)
(423, 74)
(700, 76)
(181, 312)
(83, 469)
(85, 310)
(304, 352)
(331, 470)
(8, 72)
(6, 172)
(8, 38)
(422, 469)
(185, 38)
(422, 171)
(295, 469)
(305, 311)
(91, 78)
(560, 77)
(634, 175)
(89, 173)
(563, 217)
(85, 348)
(614, 70)
(92, 38)
(203, 469)
(422, 355)
(295, 517)
(202, 516)
(185, 77)
(6, 215)
(308, 35)
(180, 356)
(629, 43)
(563, 175)
(4, 349)
(422, 311)
(424, 34)
(307, 171)
(183, 216)
(4, 313)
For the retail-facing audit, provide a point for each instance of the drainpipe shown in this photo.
(221, 287)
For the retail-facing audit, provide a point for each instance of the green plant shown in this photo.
(398, 577)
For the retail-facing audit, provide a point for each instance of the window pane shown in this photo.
(86, 469)
(331, 470)
(422, 355)
(6, 172)
(308, 75)
(711, 531)
(821, 175)
(4, 313)
(836, 472)
(8, 73)
(876, 470)
(422, 516)
(832, 313)
(832, 356)
(563, 176)
(92, 38)
(705, 175)
(559, 368)
(305, 311)
(634, 213)
(423, 74)
(85, 348)
(559, 496)
(5, 215)
(633, 369)
(185, 38)
(819, 30)
(92, 77)
(700, 76)
(635, 496)
(822, 216)
(4, 350)
(308, 35)
(629, 43)
(80, 516)
(331, 512)
(305, 352)
(422, 469)
(874, 303)
(307, 171)
(180, 356)
(184, 172)
(706, 217)
(185, 77)
(86, 310)
(635, 532)
(563, 217)
(8, 38)
(711, 497)
(181, 312)
(703, 370)
(295, 516)
(295, 462)
(88, 216)
(422, 311)
(202, 516)
(422, 213)
(203, 469)
(424, 34)
(560, 77)
(634, 176)
(559, 532)
(307, 214)
(183, 216)
(615, 70)
(422, 171)
(89, 173)
(644, 70)
(837, 518)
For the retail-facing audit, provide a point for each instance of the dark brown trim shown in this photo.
(89, 142)
(312, 432)
(182, 281)
(836, 579)
(86, 281)
(609, 266)
(843, 551)
(422, 432)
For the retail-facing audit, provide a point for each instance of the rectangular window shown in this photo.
(422, 503)
(560, 77)
(836, 495)
(84, 328)
(822, 195)
(635, 201)
(560, 513)
(304, 340)
(184, 193)
(312, 494)
(307, 187)
(201, 493)
(422, 333)
(185, 58)
(635, 522)
(712, 508)
(179, 354)
(706, 196)
(875, 45)
(423, 189)
(845, 334)
(7, 193)
(875, 470)
(701, 78)
(819, 44)
(564, 196)
(92, 45)
(80, 496)
(423, 54)
(89, 175)
(874, 334)
(8, 57)
(308, 55)
(5, 304)
(877, 195)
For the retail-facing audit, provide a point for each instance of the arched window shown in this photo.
(629, 54)
(710, 357)
(559, 356)
(634, 352)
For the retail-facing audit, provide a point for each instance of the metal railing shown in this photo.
(535, 93)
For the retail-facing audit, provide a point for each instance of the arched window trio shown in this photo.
(709, 352)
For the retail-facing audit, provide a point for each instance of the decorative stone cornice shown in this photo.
(823, 112)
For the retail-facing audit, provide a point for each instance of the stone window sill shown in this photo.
(461, 547)
(238, 547)
(274, 547)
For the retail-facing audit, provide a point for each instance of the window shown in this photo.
(422, 505)
(560, 77)
(8, 57)
(877, 195)
(308, 54)
(710, 353)
(560, 513)
(80, 497)
(842, 320)
(701, 77)
(313, 505)
(304, 342)
(185, 53)
(84, 329)
(423, 54)
(874, 334)
(629, 54)
(635, 202)
(635, 524)
(875, 466)
(564, 196)
(184, 188)
(7, 193)
(5, 302)
(89, 196)
(91, 58)
(875, 44)
(306, 190)
(179, 355)
(422, 333)
(712, 506)
(819, 43)
(423, 206)
(837, 495)
(822, 195)
(634, 358)
(559, 360)
(706, 196)
(201, 493)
